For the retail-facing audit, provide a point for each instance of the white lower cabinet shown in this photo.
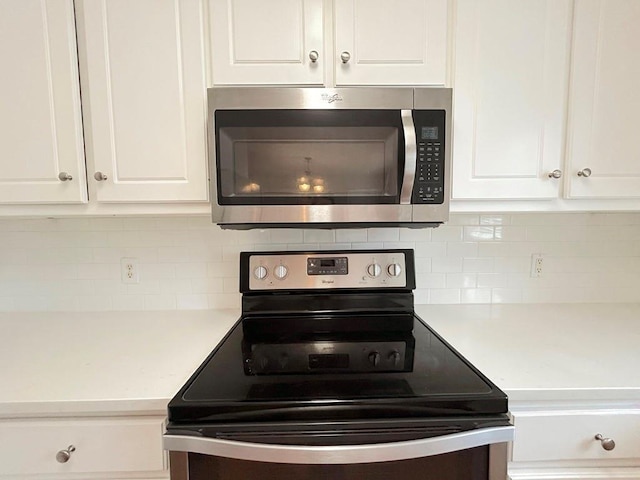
(576, 444)
(109, 447)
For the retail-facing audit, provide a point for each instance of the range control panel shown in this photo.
(328, 270)
(430, 162)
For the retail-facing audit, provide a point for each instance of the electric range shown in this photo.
(329, 353)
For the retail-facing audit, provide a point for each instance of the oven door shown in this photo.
(472, 455)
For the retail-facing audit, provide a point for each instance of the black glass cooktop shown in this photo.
(353, 375)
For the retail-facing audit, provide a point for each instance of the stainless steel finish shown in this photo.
(63, 456)
(259, 98)
(310, 214)
(357, 277)
(99, 176)
(179, 466)
(607, 443)
(339, 454)
(345, 57)
(410, 154)
(498, 459)
(238, 98)
(555, 174)
(64, 176)
(313, 56)
(585, 172)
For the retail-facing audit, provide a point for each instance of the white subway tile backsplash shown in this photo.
(351, 235)
(475, 295)
(461, 280)
(187, 262)
(319, 236)
(383, 235)
(446, 265)
(192, 301)
(444, 295)
(447, 234)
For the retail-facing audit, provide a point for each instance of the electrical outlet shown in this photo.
(537, 262)
(129, 270)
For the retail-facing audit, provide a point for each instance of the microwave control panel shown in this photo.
(429, 186)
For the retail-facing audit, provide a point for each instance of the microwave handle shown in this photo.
(410, 153)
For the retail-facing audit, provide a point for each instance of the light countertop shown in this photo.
(107, 362)
(548, 352)
(55, 364)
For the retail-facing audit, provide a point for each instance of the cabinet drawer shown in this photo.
(561, 435)
(101, 445)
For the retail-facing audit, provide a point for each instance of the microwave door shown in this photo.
(410, 154)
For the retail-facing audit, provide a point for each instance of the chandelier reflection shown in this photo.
(307, 183)
(251, 187)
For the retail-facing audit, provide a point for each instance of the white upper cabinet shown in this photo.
(510, 78)
(41, 147)
(270, 42)
(604, 108)
(382, 42)
(319, 42)
(143, 93)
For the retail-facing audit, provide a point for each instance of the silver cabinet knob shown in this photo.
(607, 443)
(313, 56)
(555, 174)
(64, 176)
(99, 176)
(345, 57)
(63, 456)
(585, 172)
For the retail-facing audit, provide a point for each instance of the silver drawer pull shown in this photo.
(607, 443)
(63, 456)
(585, 172)
(65, 177)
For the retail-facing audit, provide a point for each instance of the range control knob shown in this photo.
(394, 270)
(260, 272)
(280, 272)
(374, 270)
(374, 358)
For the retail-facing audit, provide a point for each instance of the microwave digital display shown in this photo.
(429, 133)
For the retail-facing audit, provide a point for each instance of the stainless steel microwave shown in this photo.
(329, 158)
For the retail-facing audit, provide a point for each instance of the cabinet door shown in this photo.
(511, 74)
(383, 42)
(258, 42)
(604, 107)
(144, 99)
(40, 119)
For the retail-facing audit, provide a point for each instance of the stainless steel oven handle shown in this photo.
(410, 153)
(339, 454)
